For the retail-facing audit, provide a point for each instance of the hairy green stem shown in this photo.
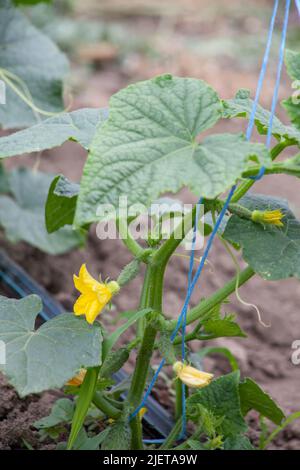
(246, 185)
(127, 238)
(178, 399)
(163, 254)
(241, 211)
(144, 301)
(153, 287)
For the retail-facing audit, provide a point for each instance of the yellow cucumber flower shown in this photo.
(94, 296)
(77, 380)
(268, 217)
(192, 377)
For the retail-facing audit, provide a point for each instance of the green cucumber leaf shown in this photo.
(35, 60)
(79, 126)
(61, 203)
(254, 398)
(221, 398)
(61, 413)
(38, 360)
(22, 214)
(272, 252)
(292, 63)
(223, 327)
(293, 110)
(238, 443)
(241, 106)
(148, 146)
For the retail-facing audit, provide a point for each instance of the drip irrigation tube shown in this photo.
(17, 282)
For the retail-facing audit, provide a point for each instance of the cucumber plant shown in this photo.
(148, 144)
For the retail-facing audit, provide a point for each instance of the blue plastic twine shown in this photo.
(192, 281)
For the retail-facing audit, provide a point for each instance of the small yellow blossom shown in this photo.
(142, 412)
(192, 377)
(77, 379)
(94, 296)
(268, 217)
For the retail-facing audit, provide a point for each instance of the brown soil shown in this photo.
(265, 353)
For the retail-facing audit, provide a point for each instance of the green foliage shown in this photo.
(148, 146)
(4, 181)
(61, 203)
(292, 105)
(238, 443)
(86, 394)
(61, 413)
(222, 327)
(222, 398)
(32, 63)
(292, 63)
(166, 348)
(118, 436)
(241, 106)
(22, 213)
(84, 442)
(30, 2)
(78, 126)
(254, 398)
(293, 110)
(38, 360)
(273, 252)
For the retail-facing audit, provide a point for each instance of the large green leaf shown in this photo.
(22, 215)
(35, 60)
(61, 203)
(273, 252)
(149, 146)
(241, 106)
(79, 126)
(45, 358)
(254, 398)
(221, 397)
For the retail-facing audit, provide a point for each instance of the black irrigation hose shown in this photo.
(158, 421)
